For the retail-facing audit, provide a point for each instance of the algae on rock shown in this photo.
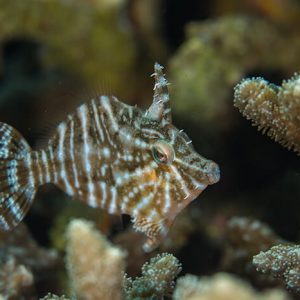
(220, 52)
(84, 38)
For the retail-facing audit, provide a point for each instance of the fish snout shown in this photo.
(212, 172)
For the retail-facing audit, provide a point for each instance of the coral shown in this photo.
(16, 281)
(187, 223)
(282, 261)
(218, 53)
(147, 19)
(53, 297)
(285, 13)
(157, 280)
(84, 37)
(132, 241)
(26, 263)
(20, 245)
(275, 110)
(96, 268)
(53, 51)
(94, 265)
(244, 238)
(221, 286)
(76, 209)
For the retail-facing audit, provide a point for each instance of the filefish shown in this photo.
(113, 156)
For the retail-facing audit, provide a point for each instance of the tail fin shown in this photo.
(16, 189)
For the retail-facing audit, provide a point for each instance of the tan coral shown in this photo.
(25, 266)
(275, 110)
(20, 245)
(222, 286)
(245, 237)
(95, 266)
(16, 281)
(53, 297)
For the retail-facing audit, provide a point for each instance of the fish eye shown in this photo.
(163, 152)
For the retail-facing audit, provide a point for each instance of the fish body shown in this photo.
(113, 156)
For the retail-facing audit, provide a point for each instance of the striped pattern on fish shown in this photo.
(113, 156)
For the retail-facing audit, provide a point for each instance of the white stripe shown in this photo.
(61, 156)
(180, 180)
(53, 164)
(92, 199)
(37, 161)
(124, 203)
(147, 200)
(139, 171)
(29, 193)
(152, 132)
(103, 170)
(5, 140)
(103, 120)
(97, 120)
(196, 184)
(144, 202)
(72, 156)
(45, 162)
(14, 208)
(104, 194)
(83, 113)
(140, 143)
(31, 176)
(113, 201)
(152, 216)
(12, 177)
(132, 196)
(191, 166)
(167, 198)
(106, 104)
(3, 223)
(130, 112)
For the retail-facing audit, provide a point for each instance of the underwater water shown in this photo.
(184, 186)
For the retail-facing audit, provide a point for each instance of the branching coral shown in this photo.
(96, 268)
(282, 261)
(94, 265)
(275, 110)
(244, 238)
(53, 297)
(221, 286)
(250, 234)
(25, 266)
(20, 245)
(157, 279)
(16, 281)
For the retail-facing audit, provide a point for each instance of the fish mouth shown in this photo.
(192, 195)
(213, 173)
(195, 193)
